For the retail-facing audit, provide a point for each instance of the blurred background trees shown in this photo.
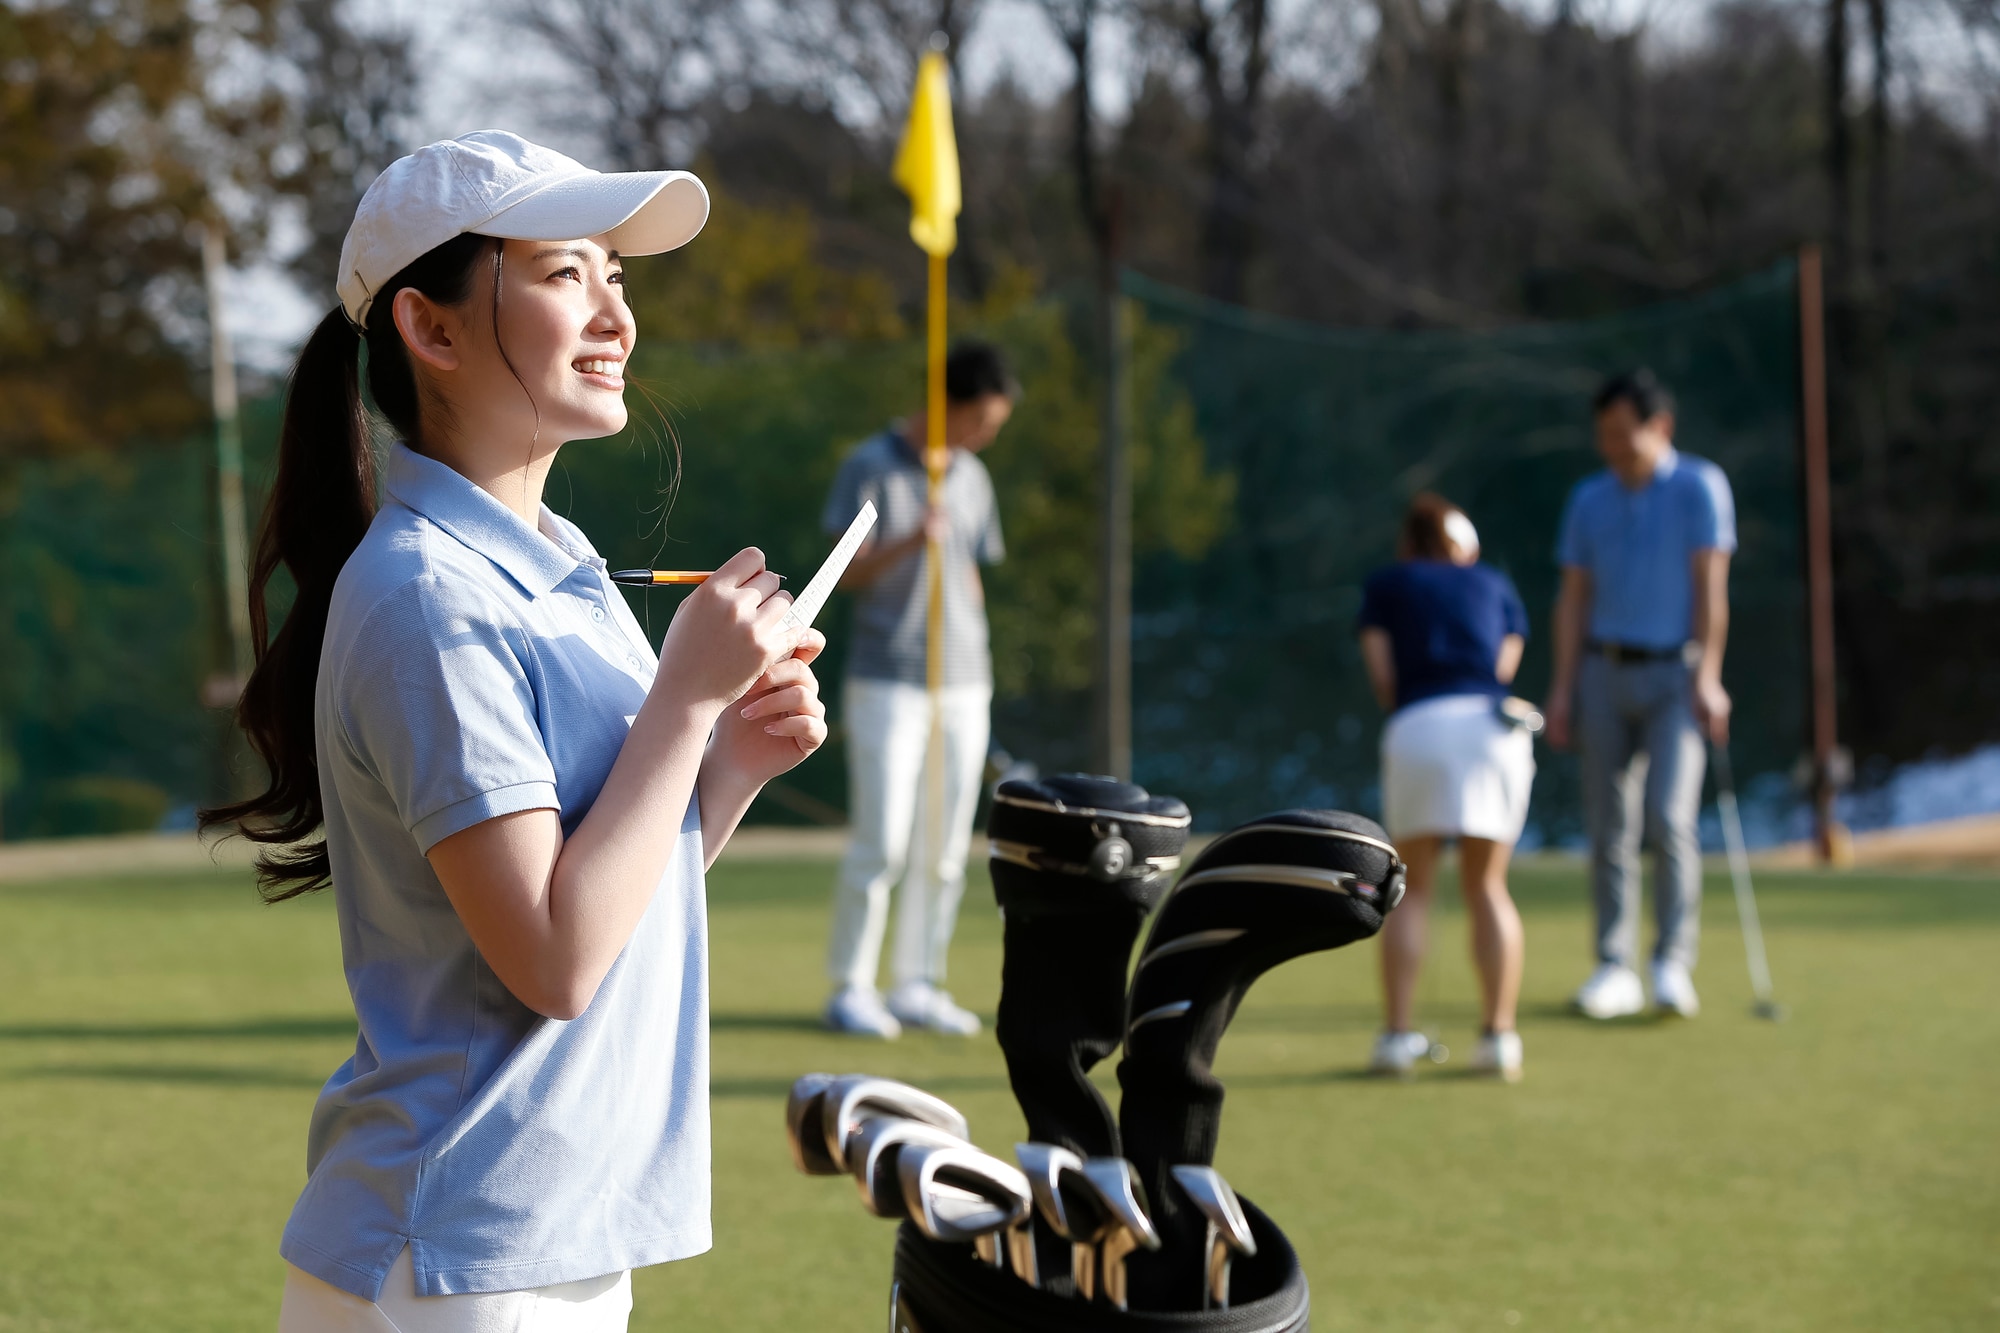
(1391, 164)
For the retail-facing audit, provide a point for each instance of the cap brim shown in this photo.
(641, 212)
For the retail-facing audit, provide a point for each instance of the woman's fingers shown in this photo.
(809, 732)
(739, 569)
(764, 585)
(811, 645)
(791, 699)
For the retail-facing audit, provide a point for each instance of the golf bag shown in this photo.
(945, 1289)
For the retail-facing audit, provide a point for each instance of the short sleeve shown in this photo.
(843, 502)
(435, 700)
(1572, 548)
(1715, 522)
(992, 546)
(1375, 600)
(1513, 615)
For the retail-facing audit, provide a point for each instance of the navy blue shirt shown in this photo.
(1445, 623)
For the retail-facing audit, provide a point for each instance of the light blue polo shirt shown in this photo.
(1639, 546)
(474, 667)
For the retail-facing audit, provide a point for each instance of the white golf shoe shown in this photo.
(1498, 1055)
(1673, 990)
(921, 1005)
(1398, 1053)
(1613, 991)
(859, 1012)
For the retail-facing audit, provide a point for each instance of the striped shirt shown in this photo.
(891, 615)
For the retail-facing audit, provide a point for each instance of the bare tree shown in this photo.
(652, 64)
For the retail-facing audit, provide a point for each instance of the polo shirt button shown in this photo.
(631, 661)
(597, 613)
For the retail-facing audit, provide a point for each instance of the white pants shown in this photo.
(593, 1305)
(895, 828)
(1450, 768)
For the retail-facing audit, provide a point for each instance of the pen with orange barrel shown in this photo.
(664, 578)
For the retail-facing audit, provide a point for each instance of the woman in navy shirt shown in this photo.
(1441, 635)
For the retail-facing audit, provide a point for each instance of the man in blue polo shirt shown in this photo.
(1639, 630)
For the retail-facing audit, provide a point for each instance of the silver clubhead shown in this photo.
(1045, 1165)
(802, 1126)
(853, 1098)
(1115, 1183)
(872, 1153)
(806, 606)
(1228, 1229)
(960, 1194)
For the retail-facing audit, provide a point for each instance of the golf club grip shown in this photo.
(1062, 1010)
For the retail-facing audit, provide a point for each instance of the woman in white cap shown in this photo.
(1441, 636)
(513, 799)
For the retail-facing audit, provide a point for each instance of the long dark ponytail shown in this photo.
(321, 504)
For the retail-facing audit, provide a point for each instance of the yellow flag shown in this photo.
(927, 161)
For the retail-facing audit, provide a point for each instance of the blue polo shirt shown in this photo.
(1445, 624)
(1638, 546)
(474, 666)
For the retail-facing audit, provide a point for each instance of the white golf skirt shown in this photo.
(594, 1305)
(1450, 768)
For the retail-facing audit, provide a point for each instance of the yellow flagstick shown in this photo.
(927, 170)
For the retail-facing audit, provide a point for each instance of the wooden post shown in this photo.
(1828, 837)
(1113, 749)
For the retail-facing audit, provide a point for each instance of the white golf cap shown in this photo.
(499, 184)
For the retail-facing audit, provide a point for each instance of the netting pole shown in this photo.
(1827, 834)
(228, 461)
(1113, 749)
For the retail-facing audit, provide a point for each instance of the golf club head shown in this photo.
(1077, 862)
(1126, 1225)
(1228, 1229)
(958, 1194)
(1068, 1206)
(873, 1151)
(853, 1098)
(802, 1126)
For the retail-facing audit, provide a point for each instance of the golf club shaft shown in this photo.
(1739, 874)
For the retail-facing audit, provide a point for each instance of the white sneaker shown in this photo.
(1398, 1052)
(922, 1005)
(1613, 991)
(859, 1012)
(1673, 990)
(1498, 1054)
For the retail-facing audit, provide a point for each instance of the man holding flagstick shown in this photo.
(919, 678)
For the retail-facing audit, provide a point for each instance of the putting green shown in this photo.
(161, 1041)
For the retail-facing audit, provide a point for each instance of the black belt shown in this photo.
(1632, 652)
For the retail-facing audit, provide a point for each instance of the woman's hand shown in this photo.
(727, 634)
(778, 722)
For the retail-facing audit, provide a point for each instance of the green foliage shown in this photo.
(71, 807)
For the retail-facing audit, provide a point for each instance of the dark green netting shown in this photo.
(1248, 687)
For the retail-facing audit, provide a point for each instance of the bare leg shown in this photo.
(1496, 929)
(1406, 933)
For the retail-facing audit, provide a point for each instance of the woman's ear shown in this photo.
(430, 331)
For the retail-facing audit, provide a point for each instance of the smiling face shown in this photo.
(565, 335)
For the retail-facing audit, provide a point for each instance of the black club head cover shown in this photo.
(1282, 885)
(1078, 861)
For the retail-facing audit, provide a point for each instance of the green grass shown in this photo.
(161, 1041)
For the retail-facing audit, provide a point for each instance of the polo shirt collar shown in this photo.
(1669, 461)
(913, 453)
(478, 520)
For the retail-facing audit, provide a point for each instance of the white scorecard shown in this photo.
(806, 606)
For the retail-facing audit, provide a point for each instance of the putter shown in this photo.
(875, 1148)
(957, 1193)
(1067, 1206)
(1078, 861)
(802, 1126)
(1280, 886)
(1228, 1230)
(1124, 1225)
(1766, 1007)
(853, 1098)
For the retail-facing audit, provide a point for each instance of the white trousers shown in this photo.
(593, 1305)
(897, 832)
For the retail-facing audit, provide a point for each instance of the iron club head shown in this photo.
(853, 1098)
(802, 1126)
(957, 1194)
(1115, 1185)
(1067, 1206)
(1228, 1229)
(873, 1150)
